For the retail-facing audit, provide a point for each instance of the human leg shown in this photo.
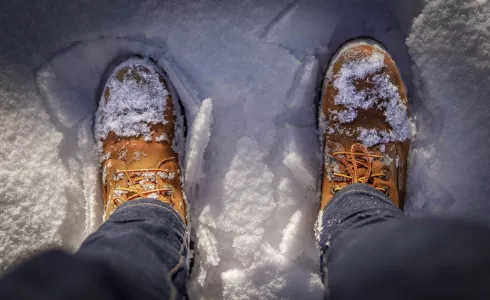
(355, 206)
(140, 252)
(364, 129)
(139, 128)
(146, 241)
(376, 253)
(369, 249)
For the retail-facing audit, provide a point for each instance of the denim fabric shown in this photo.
(371, 251)
(146, 242)
(354, 206)
(139, 253)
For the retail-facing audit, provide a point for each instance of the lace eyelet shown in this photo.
(384, 177)
(117, 202)
(334, 189)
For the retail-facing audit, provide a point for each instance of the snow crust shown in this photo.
(252, 180)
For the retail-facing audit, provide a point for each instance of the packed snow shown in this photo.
(253, 154)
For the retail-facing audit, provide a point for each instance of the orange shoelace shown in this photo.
(358, 158)
(135, 176)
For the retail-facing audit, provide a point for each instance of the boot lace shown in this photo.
(356, 159)
(143, 183)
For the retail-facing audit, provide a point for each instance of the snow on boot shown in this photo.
(364, 122)
(139, 131)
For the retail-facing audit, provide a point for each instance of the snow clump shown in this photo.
(131, 107)
(382, 94)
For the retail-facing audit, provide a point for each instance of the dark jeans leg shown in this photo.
(139, 253)
(371, 251)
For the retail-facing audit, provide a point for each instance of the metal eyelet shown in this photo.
(384, 177)
(117, 202)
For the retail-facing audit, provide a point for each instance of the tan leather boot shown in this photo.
(136, 130)
(364, 122)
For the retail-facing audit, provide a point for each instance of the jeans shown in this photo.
(146, 242)
(140, 252)
(369, 251)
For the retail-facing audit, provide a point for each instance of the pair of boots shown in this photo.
(363, 121)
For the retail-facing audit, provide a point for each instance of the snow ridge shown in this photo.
(197, 142)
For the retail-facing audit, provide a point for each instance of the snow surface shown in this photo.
(450, 46)
(253, 193)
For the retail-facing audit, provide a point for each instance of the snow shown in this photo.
(344, 82)
(382, 95)
(162, 137)
(196, 145)
(130, 108)
(253, 160)
(450, 49)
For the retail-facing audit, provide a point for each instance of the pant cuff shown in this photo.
(144, 206)
(355, 205)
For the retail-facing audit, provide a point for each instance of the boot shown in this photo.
(139, 131)
(364, 122)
